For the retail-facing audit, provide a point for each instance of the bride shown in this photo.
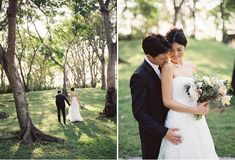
(74, 113)
(197, 141)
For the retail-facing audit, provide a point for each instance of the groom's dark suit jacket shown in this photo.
(60, 98)
(148, 109)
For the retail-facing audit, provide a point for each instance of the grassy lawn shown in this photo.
(210, 57)
(90, 139)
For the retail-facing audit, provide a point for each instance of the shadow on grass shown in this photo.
(87, 128)
(92, 138)
(24, 150)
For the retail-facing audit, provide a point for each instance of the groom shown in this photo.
(147, 104)
(60, 98)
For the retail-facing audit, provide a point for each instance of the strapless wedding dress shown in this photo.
(197, 141)
(74, 113)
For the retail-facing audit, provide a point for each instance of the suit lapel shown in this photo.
(151, 70)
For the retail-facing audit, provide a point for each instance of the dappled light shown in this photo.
(77, 135)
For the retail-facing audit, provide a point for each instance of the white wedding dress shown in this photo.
(197, 141)
(74, 113)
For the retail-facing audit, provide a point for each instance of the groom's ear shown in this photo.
(148, 56)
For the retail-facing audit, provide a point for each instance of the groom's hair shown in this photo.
(155, 44)
(58, 92)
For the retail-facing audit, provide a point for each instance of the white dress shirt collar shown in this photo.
(155, 67)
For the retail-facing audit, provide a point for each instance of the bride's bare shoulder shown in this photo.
(168, 66)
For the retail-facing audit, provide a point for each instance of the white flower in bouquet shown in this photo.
(226, 100)
(206, 79)
(223, 90)
(221, 83)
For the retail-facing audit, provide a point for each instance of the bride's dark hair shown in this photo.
(176, 35)
(72, 89)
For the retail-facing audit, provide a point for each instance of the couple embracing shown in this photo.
(160, 104)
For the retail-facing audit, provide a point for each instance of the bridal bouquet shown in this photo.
(211, 89)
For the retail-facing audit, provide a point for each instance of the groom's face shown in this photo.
(160, 59)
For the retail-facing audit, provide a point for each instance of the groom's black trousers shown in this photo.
(61, 109)
(150, 145)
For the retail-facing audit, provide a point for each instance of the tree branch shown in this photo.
(49, 49)
(114, 6)
(107, 3)
(181, 3)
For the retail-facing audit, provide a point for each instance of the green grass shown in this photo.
(90, 139)
(210, 57)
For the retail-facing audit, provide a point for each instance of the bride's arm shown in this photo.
(167, 78)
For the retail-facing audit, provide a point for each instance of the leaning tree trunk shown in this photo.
(110, 101)
(28, 132)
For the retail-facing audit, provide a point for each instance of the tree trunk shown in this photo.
(102, 45)
(91, 66)
(2, 82)
(233, 80)
(28, 132)
(175, 16)
(65, 93)
(83, 73)
(194, 26)
(30, 69)
(193, 10)
(110, 101)
(21, 71)
(222, 8)
(177, 9)
(103, 80)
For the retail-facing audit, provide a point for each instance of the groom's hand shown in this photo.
(172, 136)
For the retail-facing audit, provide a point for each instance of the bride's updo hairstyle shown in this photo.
(176, 35)
(72, 89)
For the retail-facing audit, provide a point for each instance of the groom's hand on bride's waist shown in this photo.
(172, 136)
